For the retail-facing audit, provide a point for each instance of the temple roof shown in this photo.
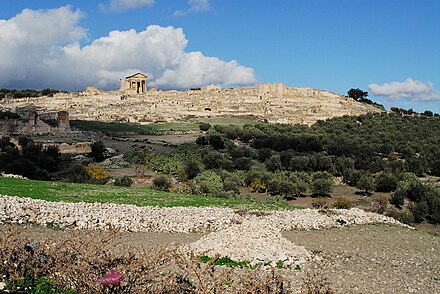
(137, 75)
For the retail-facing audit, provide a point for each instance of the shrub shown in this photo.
(161, 183)
(273, 163)
(216, 141)
(264, 153)
(124, 181)
(204, 126)
(398, 198)
(209, 181)
(24, 140)
(408, 180)
(243, 163)
(342, 203)
(321, 185)
(366, 184)
(76, 174)
(258, 186)
(320, 202)
(280, 184)
(201, 140)
(159, 162)
(98, 151)
(351, 176)
(403, 215)
(417, 192)
(191, 169)
(386, 182)
(96, 174)
(420, 211)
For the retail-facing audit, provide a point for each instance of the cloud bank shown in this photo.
(121, 5)
(409, 89)
(41, 48)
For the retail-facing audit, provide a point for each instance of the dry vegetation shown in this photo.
(75, 265)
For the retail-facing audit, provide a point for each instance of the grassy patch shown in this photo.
(225, 120)
(39, 285)
(226, 261)
(115, 128)
(70, 192)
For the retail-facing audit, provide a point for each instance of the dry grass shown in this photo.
(77, 264)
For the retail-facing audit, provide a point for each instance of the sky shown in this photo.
(390, 48)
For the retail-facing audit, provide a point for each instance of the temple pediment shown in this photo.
(137, 76)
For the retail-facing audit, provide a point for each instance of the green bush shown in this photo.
(386, 182)
(98, 151)
(202, 140)
(403, 215)
(216, 140)
(351, 176)
(161, 183)
(322, 187)
(124, 181)
(209, 181)
(408, 180)
(191, 169)
(366, 184)
(160, 162)
(243, 163)
(280, 184)
(273, 163)
(204, 126)
(420, 211)
(398, 198)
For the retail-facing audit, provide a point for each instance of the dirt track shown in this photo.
(375, 258)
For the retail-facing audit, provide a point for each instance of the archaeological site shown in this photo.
(135, 102)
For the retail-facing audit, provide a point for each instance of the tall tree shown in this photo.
(357, 94)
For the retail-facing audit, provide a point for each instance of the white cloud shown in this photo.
(409, 89)
(121, 5)
(42, 49)
(194, 5)
(199, 5)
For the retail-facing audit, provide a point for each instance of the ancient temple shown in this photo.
(136, 83)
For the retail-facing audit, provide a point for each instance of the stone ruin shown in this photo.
(34, 125)
(270, 102)
(134, 84)
(271, 89)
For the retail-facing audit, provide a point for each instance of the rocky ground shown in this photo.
(357, 252)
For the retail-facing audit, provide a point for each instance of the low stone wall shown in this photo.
(173, 219)
(253, 236)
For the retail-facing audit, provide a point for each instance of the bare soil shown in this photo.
(375, 258)
(361, 259)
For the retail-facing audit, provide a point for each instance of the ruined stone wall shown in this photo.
(272, 102)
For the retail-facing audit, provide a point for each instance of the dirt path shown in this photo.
(375, 258)
(360, 259)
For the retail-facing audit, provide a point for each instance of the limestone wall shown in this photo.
(272, 102)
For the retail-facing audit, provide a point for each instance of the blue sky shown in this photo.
(390, 48)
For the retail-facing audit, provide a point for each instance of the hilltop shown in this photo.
(274, 103)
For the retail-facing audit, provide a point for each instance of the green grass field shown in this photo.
(71, 192)
(124, 127)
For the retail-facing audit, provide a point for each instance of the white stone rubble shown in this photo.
(254, 237)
